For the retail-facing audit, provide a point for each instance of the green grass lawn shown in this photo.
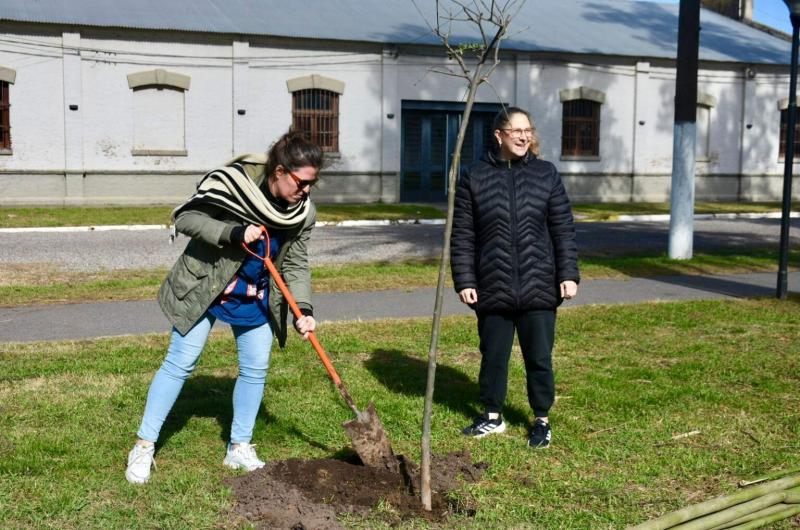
(24, 217)
(629, 379)
(41, 285)
(21, 217)
(609, 211)
(122, 215)
(344, 212)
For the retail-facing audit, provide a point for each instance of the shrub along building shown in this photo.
(130, 103)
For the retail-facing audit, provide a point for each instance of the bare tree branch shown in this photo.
(477, 7)
(456, 54)
(422, 16)
(448, 72)
(513, 14)
(494, 89)
(483, 33)
(494, 45)
(520, 31)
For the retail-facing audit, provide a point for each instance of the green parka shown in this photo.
(210, 260)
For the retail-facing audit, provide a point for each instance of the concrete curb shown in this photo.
(705, 216)
(393, 222)
(106, 228)
(382, 222)
(99, 228)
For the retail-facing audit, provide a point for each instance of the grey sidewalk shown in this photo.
(80, 321)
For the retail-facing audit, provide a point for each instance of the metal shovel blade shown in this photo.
(370, 440)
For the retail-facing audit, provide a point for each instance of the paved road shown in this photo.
(89, 251)
(77, 321)
(143, 249)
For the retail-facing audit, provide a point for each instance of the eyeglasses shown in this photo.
(518, 133)
(301, 183)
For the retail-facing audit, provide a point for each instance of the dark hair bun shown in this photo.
(293, 150)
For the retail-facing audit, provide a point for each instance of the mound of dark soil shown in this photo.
(308, 494)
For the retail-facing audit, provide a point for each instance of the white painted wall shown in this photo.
(38, 92)
(109, 110)
(87, 155)
(725, 131)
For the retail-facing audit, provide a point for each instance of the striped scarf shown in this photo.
(231, 189)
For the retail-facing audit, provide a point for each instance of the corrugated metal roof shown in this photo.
(607, 27)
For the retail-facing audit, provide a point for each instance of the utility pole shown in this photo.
(681, 220)
(783, 261)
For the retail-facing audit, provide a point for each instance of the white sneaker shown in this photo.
(243, 457)
(140, 460)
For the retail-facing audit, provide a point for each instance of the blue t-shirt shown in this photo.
(244, 302)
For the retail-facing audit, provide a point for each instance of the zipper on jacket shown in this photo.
(513, 210)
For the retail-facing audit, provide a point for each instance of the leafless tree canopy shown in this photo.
(491, 19)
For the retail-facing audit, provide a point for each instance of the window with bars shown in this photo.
(315, 113)
(580, 134)
(784, 127)
(5, 119)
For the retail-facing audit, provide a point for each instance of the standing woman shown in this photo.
(514, 259)
(215, 278)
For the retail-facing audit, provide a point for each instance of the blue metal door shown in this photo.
(428, 132)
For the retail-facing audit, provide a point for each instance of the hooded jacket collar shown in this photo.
(491, 156)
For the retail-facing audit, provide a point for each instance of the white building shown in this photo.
(112, 102)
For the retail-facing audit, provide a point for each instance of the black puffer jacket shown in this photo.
(513, 234)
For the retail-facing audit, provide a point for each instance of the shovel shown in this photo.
(366, 431)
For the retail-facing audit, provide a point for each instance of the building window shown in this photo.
(159, 113)
(580, 135)
(5, 118)
(703, 126)
(580, 122)
(784, 127)
(158, 123)
(705, 102)
(315, 109)
(7, 78)
(315, 113)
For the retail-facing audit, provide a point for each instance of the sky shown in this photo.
(772, 13)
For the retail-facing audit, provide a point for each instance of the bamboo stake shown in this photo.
(793, 496)
(734, 512)
(595, 433)
(770, 476)
(714, 505)
(754, 516)
(685, 435)
(785, 514)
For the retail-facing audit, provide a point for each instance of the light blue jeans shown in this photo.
(254, 345)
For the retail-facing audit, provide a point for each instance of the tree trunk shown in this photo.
(440, 286)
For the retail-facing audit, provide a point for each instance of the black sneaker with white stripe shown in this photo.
(540, 434)
(483, 426)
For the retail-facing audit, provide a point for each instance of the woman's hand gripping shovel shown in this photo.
(366, 431)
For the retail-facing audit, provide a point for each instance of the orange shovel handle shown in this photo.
(287, 295)
(296, 312)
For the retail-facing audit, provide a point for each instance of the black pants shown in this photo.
(536, 331)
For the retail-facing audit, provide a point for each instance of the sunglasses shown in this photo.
(301, 183)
